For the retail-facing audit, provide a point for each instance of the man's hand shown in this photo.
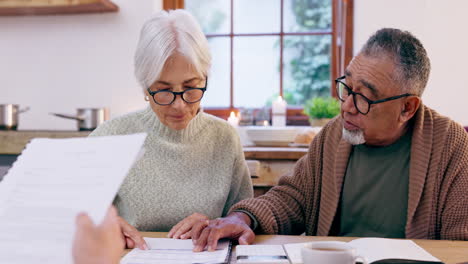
(236, 226)
(131, 236)
(183, 229)
(97, 244)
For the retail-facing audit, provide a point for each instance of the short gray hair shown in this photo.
(411, 61)
(163, 35)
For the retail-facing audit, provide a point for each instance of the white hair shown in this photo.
(353, 137)
(165, 34)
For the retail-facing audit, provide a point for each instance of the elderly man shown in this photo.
(388, 166)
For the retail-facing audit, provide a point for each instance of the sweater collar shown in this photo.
(422, 141)
(156, 128)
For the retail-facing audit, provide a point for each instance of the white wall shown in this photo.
(441, 27)
(60, 63)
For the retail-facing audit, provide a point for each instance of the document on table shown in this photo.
(377, 250)
(50, 183)
(261, 254)
(176, 251)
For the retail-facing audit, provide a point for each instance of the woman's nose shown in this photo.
(178, 102)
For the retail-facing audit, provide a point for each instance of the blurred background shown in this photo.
(261, 49)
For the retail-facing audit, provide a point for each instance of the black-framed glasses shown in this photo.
(361, 102)
(190, 95)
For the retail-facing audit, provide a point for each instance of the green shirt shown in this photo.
(374, 200)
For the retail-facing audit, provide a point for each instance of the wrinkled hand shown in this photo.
(235, 226)
(131, 236)
(97, 244)
(183, 229)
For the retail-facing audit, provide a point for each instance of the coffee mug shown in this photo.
(330, 252)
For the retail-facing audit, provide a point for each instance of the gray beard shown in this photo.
(353, 137)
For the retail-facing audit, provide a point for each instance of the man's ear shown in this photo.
(410, 107)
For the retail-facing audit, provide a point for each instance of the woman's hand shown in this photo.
(183, 229)
(131, 236)
(97, 244)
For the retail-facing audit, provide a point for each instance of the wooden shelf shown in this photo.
(54, 7)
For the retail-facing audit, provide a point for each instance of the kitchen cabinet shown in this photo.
(268, 164)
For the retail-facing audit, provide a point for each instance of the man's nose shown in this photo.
(348, 105)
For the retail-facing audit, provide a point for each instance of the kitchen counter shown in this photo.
(275, 153)
(13, 142)
(266, 164)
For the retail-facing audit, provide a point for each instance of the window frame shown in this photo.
(341, 52)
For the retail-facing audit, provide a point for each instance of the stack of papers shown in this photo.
(50, 183)
(176, 251)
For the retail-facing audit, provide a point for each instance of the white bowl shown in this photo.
(271, 136)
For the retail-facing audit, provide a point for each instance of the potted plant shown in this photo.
(321, 109)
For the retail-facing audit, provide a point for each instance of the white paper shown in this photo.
(261, 254)
(294, 252)
(50, 183)
(260, 250)
(175, 251)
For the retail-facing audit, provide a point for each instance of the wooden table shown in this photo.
(450, 252)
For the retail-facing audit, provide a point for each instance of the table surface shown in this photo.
(450, 252)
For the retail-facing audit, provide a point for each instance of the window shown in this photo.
(265, 48)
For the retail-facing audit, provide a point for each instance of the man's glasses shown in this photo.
(190, 95)
(361, 102)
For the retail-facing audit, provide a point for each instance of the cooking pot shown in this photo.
(88, 118)
(9, 116)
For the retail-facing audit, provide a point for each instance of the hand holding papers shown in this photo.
(50, 183)
(97, 244)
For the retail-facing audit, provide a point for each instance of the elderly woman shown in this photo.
(193, 167)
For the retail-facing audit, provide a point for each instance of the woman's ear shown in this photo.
(147, 96)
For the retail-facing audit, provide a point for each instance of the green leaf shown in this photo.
(322, 107)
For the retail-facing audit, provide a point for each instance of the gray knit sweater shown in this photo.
(198, 169)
